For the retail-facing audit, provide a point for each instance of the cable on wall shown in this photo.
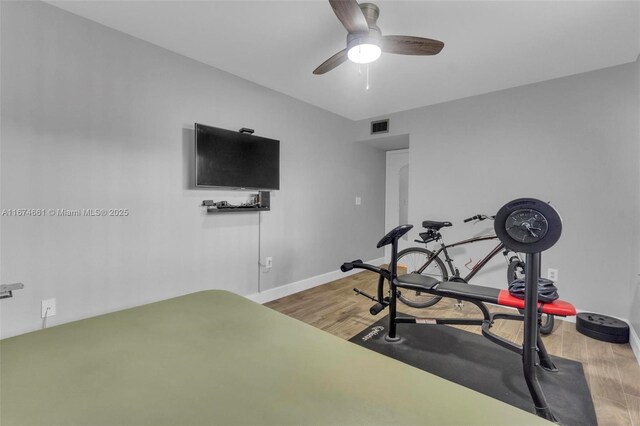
(260, 265)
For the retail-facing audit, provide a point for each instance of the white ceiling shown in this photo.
(489, 45)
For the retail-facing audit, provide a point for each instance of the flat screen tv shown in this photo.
(228, 159)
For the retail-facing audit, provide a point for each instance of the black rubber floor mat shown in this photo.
(473, 361)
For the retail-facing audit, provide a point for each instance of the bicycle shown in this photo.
(427, 262)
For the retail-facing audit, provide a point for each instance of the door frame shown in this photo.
(387, 213)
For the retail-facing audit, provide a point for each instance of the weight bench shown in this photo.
(525, 225)
(455, 289)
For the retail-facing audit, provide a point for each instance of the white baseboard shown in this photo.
(298, 286)
(634, 340)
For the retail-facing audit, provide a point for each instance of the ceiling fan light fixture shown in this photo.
(364, 50)
(365, 40)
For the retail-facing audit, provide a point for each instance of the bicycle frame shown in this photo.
(454, 271)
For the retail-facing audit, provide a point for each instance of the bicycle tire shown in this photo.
(546, 325)
(515, 271)
(413, 259)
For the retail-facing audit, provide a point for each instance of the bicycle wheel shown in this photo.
(414, 259)
(546, 324)
(516, 271)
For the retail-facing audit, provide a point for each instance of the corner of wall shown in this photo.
(634, 312)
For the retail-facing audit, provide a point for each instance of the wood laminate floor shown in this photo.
(612, 371)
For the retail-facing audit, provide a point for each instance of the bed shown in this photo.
(214, 357)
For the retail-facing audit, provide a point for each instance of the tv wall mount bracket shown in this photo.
(6, 290)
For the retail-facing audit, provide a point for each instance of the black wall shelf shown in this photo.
(237, 209)
(260, 202)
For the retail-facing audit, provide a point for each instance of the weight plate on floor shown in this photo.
(602, 327)
(527, 225)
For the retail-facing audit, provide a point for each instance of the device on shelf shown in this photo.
(257, 202)
(6, 290)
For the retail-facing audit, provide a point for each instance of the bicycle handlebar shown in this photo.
(479, 217)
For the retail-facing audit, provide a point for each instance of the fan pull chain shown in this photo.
(367, 88)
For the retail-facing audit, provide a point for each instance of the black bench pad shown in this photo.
(484, 294)
(424, 281)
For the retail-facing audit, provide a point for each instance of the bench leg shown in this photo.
(531, 337)
(543, 355)
(391, 336)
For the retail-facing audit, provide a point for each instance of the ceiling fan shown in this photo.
(365, 41)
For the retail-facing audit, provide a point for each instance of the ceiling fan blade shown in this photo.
(407, 45)
(332, 62)
(349, 13)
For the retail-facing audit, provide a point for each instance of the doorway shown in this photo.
(397, 193)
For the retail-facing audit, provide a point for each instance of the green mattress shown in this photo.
(217, 358)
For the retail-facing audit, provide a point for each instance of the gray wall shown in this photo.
(572, 141)
(93, 118)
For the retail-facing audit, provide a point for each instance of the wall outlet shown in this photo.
(358, 201)
(48, 308)
(552, 274)
(268, 262)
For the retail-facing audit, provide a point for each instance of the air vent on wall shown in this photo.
(380, 126)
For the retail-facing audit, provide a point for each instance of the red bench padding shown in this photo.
(557, 307)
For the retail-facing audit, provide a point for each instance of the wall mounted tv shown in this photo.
(228, 159)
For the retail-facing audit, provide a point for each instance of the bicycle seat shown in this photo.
(432, 224)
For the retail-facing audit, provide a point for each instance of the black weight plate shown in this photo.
(547, 218)
(602, 327)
